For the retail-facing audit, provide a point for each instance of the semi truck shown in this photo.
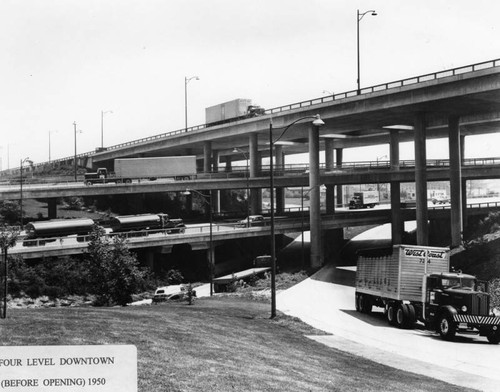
(364, 200)
(127, 223)
(237, 109)
(414, 283)
(129, 169)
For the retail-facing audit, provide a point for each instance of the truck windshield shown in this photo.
(458, 283)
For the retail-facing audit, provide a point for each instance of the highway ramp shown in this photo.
(326, 301)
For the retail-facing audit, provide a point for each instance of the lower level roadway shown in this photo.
(326, 301)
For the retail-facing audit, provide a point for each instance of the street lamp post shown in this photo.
(317, 122)
(103, 112)
(236, 149)
(75, 166)
(186, 81)
(207, 200)
(25, 160)
(359, 16)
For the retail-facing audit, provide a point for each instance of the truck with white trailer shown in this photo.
(413, 283)
(237, 109)
(364, 199)
(130, 169)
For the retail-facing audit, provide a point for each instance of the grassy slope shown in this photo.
(218, 344)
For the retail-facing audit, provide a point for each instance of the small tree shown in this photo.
(8, 238)
(9, 212)
(114, 271)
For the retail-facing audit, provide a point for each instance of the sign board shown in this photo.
(103, 368)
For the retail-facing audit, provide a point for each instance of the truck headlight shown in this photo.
(464, 308)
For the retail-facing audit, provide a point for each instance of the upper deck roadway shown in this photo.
(353, 120)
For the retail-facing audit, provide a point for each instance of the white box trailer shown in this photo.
(227, 110)
(156, 167)
(399, 275)
(129, 169)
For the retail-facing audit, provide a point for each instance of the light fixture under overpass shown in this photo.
(318, 122)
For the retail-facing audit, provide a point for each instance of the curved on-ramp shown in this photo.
(326, 301)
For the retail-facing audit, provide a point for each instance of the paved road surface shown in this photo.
(326, 301)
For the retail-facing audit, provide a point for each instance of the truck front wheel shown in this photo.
(446, 327)
(494, 337)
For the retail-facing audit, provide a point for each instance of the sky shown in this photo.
(66, 61)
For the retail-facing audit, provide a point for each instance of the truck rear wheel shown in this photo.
(88, 182)
(402, 316)
(365, 304)
(446, 327)
(391, 314)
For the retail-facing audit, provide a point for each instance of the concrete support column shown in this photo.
(421, 180)
(52, 208)
(455, 181)
(397, 222)
(340, 194)
(464, 184)
(254, 168)
(280, 192)
(215, 200)
(150, 259)
(228, 166)
(207, 157)
(329, 165)
(215, 161)
(317, 252)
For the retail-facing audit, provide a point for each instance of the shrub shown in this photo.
(174, 276)
(114, 271)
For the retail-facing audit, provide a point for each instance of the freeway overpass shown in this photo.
(285, 176)
(198, 236)
(453, 103)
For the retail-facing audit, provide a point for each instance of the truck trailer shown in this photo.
(413, 283)
(237, 109)
(364, 200)
(129, 169)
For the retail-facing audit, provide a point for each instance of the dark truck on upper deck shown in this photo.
(130, 169)
(414, 283)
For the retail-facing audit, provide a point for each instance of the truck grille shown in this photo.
(479, 304)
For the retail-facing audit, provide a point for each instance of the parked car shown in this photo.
(171, 293)
(252, 220)
(440, 200)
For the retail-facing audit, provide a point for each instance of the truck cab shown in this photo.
(457, 302)
(100, 175)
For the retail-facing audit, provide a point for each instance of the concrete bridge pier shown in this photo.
(255, 164)
(421, 179)
(215, 195)
(52, 208)
(207, 156)
(339, 158)
(280, 192)
(333, 241)
(455, 181)
(397, 223)
(330, 188)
